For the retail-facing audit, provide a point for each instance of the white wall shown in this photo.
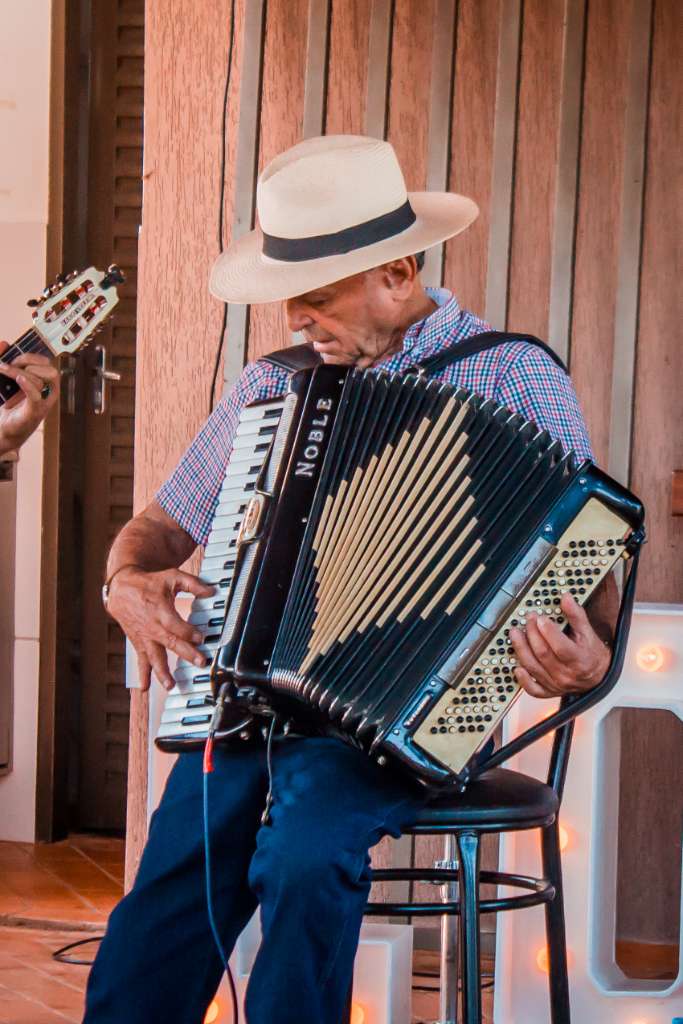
(24, 135)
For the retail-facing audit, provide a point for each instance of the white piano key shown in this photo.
(265, 411)
(215, 578)
(236, 484)
(203, 616)
(174, 729)
(256, 443)
(249, 449)
(217, 603)
(182, 700)
(219, 561)
(225, 529)
(185, 716)
(185, 680)
(216, 547)
(257, 430)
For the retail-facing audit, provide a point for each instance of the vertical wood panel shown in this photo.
(657, 434)
(178, 322)
(536, 166)
(316, 67)
(474, 105)
(348, 67)
(242, 126)
(504, 141)
(630, 243)
(561, 276)
(409, 89)
(599, 213)
(440, 117)
(379, 67)
(282, 107)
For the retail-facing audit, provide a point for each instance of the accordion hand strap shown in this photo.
(481, 343)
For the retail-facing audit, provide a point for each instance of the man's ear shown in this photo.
(399, 276)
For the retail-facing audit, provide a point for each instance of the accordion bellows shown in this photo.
(397, 528)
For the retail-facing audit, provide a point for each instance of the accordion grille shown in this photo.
(411, 516)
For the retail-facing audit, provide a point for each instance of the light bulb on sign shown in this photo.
(357, 1014)
(564, 838)
(542, 959)
(650, 657)
(212, 1012)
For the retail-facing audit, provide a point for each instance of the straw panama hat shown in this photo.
(328, 208)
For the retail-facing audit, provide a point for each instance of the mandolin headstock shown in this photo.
(71, 310)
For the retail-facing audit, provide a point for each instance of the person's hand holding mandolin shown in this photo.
(38, 381)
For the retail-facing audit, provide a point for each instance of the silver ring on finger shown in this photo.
(46, 390)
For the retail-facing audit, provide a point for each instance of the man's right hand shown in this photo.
(143, 604)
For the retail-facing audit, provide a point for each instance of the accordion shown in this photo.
(375, 539)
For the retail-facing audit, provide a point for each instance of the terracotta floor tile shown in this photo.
(33, 987)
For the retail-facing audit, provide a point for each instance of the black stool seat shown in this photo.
(500, 798)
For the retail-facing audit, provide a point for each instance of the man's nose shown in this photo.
(298, 316)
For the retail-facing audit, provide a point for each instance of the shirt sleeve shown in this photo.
(531, 383)
(191, 492)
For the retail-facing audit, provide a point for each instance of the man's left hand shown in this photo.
(551, 663)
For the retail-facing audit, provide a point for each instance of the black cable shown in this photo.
(221, 197)
(265, 817)
(59, 953)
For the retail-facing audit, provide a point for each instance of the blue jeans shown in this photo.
(308, 869)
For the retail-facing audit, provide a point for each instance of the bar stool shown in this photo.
(501, 800)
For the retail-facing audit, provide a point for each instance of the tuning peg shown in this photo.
(61, 279)
(33, 303)
(114, 275)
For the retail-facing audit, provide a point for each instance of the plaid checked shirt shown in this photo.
(518, 375)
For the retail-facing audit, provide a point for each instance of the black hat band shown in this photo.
(295, 250)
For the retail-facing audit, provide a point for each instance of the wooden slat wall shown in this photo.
(545, 119)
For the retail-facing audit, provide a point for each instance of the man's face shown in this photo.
(354, 321)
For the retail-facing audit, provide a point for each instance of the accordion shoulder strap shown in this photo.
(481, 343)
(297, 357)
(304, 356)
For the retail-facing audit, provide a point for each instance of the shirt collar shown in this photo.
(437, 323)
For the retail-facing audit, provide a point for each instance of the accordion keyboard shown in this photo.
(189, 705)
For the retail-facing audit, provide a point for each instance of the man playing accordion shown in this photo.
(337, 244)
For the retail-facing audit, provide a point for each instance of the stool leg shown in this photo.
(449, 967)
(554, 926)
(468, 849)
